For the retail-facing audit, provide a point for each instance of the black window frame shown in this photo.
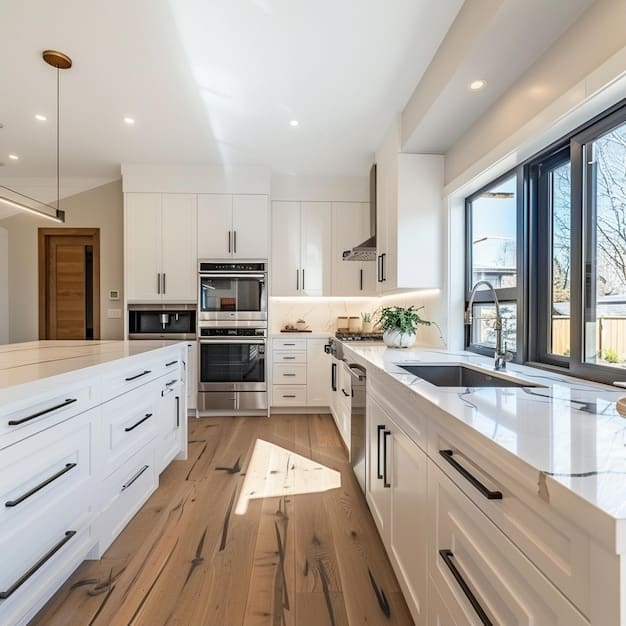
(508, 295)
(533, 291)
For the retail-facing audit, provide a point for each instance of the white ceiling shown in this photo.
(211, 81)
(516, 37)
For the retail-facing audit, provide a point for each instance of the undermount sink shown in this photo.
(460, 376)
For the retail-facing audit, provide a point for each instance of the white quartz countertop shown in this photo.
(568, 430)
(22, 363)
(305, 335)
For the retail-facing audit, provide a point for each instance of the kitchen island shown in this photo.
(497, 504)
(86, 427)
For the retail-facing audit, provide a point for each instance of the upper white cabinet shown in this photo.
(351, 226)
(409, 221)
(301, 248)
(160, 247)
(232, 226)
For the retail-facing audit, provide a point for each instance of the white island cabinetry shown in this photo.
(81, 450)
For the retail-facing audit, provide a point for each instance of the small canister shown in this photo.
(354, 324)
(342, 324)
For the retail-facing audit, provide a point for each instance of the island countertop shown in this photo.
(566, 429)
(22, 363)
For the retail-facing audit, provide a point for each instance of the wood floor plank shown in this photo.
(263, 525)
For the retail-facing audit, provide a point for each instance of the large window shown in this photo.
(493, 255)
(551, 238)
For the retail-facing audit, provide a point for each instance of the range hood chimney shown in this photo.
(366, 251)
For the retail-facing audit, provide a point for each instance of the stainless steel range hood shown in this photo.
(366, 251)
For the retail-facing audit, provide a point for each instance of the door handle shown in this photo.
(448, 455)
(235, 241)
(159, 283)
(164, 290)
(361, 279)
(383, 258)
(386, 483)
(40, 486)
(147, 416)
(297, 280)
(379, 429)
(125, 486)
(177, 411)
(229, 236)
(302, 280)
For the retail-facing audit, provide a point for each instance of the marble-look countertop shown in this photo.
(22, 363)
(568, 430)
(312, 335)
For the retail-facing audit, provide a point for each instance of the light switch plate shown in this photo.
(114, 314)
(114, 294)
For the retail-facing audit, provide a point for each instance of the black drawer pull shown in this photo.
(288, 374)
(134, 478)
(171, 363)
(289, 396)
(40, 486)
(379, 430)
(289, 358)
(447, 556)
(177, 411)
(136, 376)
(488, 493)
(147, 416)
(172, 382)
(386, 483)
(46, 557)
(345, 393)
(56, 407)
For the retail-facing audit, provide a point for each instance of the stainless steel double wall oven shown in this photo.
(232, 334)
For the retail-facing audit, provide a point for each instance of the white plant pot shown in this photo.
(396, 339)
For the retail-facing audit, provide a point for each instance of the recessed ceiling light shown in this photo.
(475, 85)
(294, 123)
(129, 120)
(41, 118)
(13, 157)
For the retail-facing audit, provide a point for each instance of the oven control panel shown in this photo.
(232, 332)
(205, 266)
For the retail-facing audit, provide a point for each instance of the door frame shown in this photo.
(42, 245)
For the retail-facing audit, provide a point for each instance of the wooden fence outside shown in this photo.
(611, 334)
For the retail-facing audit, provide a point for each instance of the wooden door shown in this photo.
(69, 283)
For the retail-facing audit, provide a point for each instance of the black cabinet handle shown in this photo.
(386, 483)
(297, 280)
(345, 393)
(172, 382)
(134, 478)
(177, 411)
(289, 344)
(289, 375)
(289, 358)
(383, 266)
(289, 396)
(159, 283)
(136, 376)
(448, 455)
(333, 376)
(147, 416)
(40, 486)
(171, 363)
(361, 279)
(379, 430)
(447, 556)
(229, 246)
(164, 291)
(40, 563)
(56, 407)
(303, 279)
(235, 241)
(378, 272)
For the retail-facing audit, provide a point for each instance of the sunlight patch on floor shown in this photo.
(275, 471)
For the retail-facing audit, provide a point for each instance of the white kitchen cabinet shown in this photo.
(317, 390)
(301, 248)
(160, 247)
(232, 226)
(409, 236)
(192, 376)
(377, 494)
(351, 226)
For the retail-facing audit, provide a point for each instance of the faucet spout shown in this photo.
(501, 357)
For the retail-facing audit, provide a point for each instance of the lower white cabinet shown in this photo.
(192, 376)
(299, 372)
(68, 488)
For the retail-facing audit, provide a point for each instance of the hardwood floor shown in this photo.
(263, 525)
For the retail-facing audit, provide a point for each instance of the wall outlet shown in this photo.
(114, 314)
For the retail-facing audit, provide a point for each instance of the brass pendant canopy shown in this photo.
(57, 59)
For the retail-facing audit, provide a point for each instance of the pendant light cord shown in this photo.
(58, 168)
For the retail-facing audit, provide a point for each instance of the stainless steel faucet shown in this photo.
(500, 356)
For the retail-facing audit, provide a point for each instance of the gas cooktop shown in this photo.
(359, 336)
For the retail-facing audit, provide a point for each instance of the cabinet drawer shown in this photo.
(25, 418)
(289, 344)
(132, 376)
(129, 422)
(289, 395)
(289, 374)
(477, 569)
(123, 494)
(296, 356)
(40, 474)
(559, 549)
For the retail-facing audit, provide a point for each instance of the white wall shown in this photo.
(4, 286)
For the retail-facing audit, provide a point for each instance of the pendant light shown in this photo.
(21, 201)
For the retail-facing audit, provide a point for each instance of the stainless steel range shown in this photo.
(232, 337)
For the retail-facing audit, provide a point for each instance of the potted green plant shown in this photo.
(399, 325)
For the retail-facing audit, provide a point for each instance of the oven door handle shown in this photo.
(258, 342)
(213, 275)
